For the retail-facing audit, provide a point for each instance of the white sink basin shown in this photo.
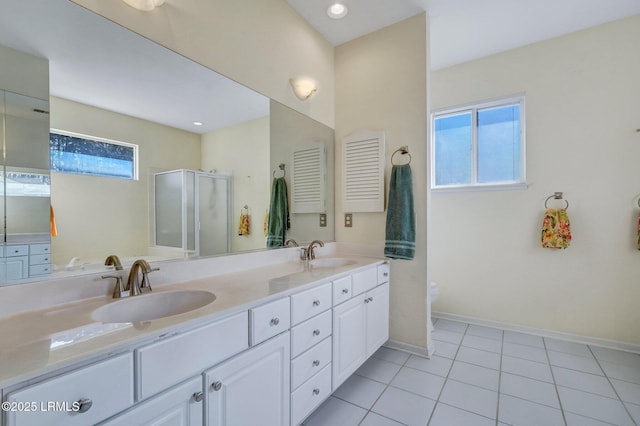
(153, 306)
(331, 262)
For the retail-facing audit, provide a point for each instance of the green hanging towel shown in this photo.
(278, 213)
(401, 224)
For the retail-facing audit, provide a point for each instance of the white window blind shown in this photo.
(308, 180)
(363, 172)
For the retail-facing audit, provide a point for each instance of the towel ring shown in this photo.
(281, 167)
(558, 196)
(402, 150)
(244, 209)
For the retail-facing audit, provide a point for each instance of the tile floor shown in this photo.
(487, 376)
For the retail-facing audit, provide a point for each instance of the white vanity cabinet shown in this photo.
(82, 397)
(360, 324)
(181, 405)
(252, 388)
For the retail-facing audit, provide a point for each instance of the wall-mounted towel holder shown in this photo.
(281, 167)
(556, 196)
(403, 150)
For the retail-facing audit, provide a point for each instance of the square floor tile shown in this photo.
(525, 352)
(444, 349)
(392, 355)
(568, 347)
(446, 415)
(444, 324)
(374, 419)
(578, 420)
(486, 332)
(526, 368)
(523, 339)
(575, 362)
(516, 411)
(478, 357)
(585, 382)
(470, 398)
(483, 343)
(435, 365)
(628, 392)
(419, 382)
(447, 336)
(532, 390)
(594, 406)
(621, 371)
(616, 356)
(483, 377)
(378, 370)
(336, 412)
(404, 407)
(635, 411)
(360, 391)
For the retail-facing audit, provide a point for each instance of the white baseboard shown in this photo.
(577, 338)
(406, 347)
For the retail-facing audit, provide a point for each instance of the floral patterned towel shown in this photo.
(556, 231)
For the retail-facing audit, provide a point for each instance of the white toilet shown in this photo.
(433, 291)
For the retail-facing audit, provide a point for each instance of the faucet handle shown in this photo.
(118, 289)
(303, 253)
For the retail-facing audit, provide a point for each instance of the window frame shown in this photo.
(473, 108)
(135, 147)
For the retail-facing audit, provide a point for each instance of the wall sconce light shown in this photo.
(304, 88)
(145, 5)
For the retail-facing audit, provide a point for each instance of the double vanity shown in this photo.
(262, 346)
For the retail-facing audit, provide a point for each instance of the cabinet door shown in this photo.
(349, 344)
(377, 307)
(251, 389)
(14, 268)
(180, 406)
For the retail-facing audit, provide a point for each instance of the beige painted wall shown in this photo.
(243, 149)
(381, 83)
(23, 73)
(258, 43)
(582, 103)
(99, 216)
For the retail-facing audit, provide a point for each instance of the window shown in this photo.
(480, 145)
(88, 155)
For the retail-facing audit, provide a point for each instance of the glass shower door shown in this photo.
(214, 214)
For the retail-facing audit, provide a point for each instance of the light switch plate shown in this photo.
(348, 220)
(323, 220)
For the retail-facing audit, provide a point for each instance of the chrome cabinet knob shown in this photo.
(386, 274)
(275, 321)
(198, 396)
(84, 405)
(316, 332)
(316, 363)
(367, 300)
(316, 303)
(216, 386)
(345, 290)
(316, 391)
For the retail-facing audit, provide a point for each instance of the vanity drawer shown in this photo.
(11, 251)
(309, 303)
(39, 269)
(269, 320)
(383, 273)
(342, 290)
(106, 388)
(310, 362)
(170, 361)
(307, 397)
(364, 280)
(39, 259)
(40, 249)
(310, 332)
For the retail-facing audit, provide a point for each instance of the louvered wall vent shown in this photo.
(308, 180)
(363, 172)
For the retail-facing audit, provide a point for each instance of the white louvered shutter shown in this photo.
(363, 172)
(308, 180)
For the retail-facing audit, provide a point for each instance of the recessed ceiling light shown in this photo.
(198, 123)
(337, 11)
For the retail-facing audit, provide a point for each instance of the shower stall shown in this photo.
(192, 211)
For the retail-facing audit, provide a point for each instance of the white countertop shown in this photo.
(41, 341)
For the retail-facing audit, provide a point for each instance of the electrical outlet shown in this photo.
(323, 220)
(348, 220)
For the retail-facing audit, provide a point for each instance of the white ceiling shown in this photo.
(462, 30)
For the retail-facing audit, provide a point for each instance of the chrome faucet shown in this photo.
(118, 290)
(134, 285)
(113, 260)
(310, 253)
(290, 243)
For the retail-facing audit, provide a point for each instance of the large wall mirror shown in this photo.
(108, 84)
